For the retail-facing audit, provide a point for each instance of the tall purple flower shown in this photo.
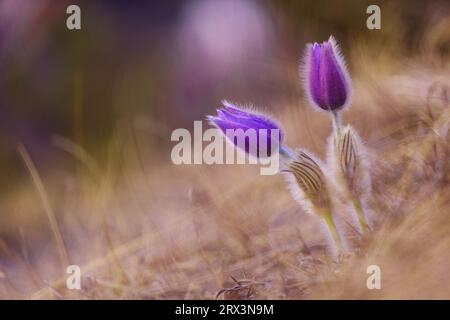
(240, 126)
(326, 78)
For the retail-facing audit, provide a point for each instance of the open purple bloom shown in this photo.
(253, 132)
(326, 78)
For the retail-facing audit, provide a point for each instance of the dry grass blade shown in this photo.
(40, 188)
(243, 285)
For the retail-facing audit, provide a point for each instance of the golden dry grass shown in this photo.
(141, 228)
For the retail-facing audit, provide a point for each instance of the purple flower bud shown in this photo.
(327, 82)
(232, 118)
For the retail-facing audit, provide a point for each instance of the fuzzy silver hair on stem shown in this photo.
(328, 87)
(309, 187)
(350, 167)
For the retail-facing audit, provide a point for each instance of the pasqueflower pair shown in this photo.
(328, 88)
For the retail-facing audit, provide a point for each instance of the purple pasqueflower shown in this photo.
(327, 82)
(249, 130)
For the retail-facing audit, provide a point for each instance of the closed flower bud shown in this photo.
(308, 183)
(310, 188)
(349, 163)
(326, 79)
(350, 166)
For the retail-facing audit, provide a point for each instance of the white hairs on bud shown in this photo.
(348, 161)
(304, 70)
(307, 182)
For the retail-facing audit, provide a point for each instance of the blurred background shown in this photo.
(168, 63)
(162, 64)
(137, 70)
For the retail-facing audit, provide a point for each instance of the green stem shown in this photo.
(361, 217)
(328, 217)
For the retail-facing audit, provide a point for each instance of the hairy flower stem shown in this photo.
(337, 120)
(328, 217)
(287, 152)
(361, 216)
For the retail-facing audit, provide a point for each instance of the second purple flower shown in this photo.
(240, 126)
